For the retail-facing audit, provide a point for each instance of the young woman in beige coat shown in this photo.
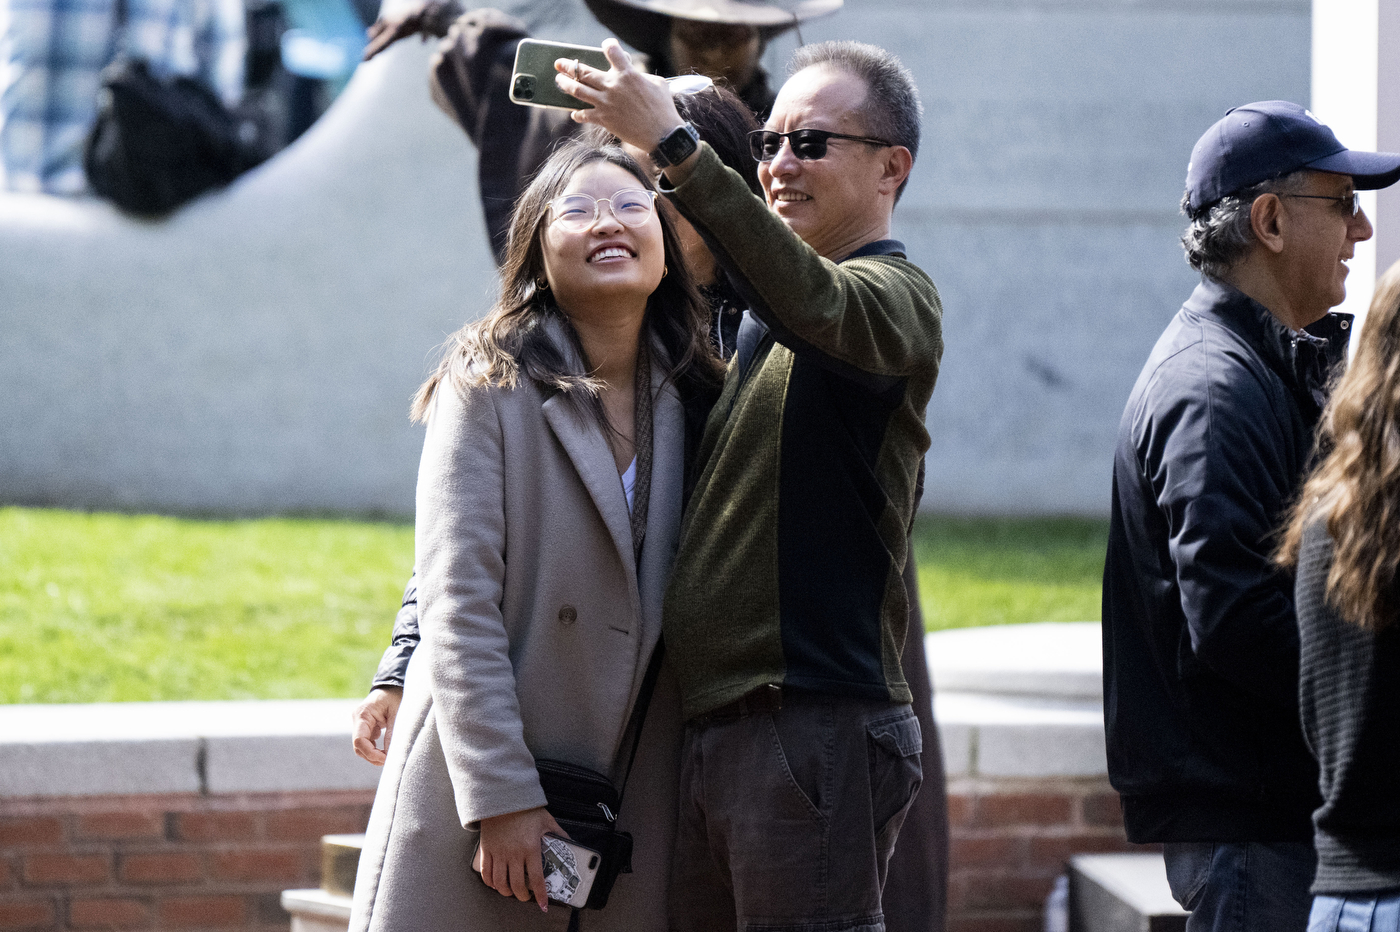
(549, 499)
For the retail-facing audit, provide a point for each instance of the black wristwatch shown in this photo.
(676, 147)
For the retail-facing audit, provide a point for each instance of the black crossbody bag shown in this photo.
(586, 804)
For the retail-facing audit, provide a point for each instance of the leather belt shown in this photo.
(766, 698)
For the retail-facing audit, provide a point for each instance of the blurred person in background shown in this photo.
(1344, 541)
(52, 53)
(720, 39)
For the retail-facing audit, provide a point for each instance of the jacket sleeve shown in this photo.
(470, 81)
(874, 319)
(460, 539)
(393, 666)
(1222, 485)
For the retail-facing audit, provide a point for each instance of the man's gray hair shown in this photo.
(1220, 235)
(892, 111)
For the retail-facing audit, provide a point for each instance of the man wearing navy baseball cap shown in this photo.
(1200, 640)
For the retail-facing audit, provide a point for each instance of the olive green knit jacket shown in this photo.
(797, 530)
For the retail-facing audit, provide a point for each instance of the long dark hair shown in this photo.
(1356, 487)
(509, 341)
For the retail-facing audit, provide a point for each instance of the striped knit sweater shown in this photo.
(1349, 697)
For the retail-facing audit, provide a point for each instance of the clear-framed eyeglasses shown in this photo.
(575, 213)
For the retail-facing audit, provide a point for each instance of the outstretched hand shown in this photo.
(508, 857)
(633, 105)
(428, 18)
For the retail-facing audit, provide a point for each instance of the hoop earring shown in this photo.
(665, 270)
(542, 284)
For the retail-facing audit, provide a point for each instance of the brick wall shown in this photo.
(1010, 839)
(165, 862)
(221, 862)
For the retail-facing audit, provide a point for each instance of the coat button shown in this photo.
(568, 615)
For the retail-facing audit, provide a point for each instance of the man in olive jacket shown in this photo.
(786, 613)
(1200, 637)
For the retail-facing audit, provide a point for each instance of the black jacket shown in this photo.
(1199, 635)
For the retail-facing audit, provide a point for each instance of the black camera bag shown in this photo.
(586, 804)
(159, 143)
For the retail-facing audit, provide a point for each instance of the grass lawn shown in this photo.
(993, 571)
(102, 607)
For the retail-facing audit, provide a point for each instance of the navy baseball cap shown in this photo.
(1264, 140)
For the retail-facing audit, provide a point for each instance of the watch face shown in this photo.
(677, 146)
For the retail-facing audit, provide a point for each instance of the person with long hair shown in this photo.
(1344, 539)
(549, 501)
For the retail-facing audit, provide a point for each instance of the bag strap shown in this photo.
(639, 713)
(642, 445)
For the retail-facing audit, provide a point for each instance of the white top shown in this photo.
(629, 481)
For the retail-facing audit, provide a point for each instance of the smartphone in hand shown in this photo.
(532, 80)
(569, 870)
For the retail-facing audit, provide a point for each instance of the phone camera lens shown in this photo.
(593, 862)
(525, 87)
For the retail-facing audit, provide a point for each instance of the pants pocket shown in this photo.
(895, 746)
(1188, 868)
(802, 755)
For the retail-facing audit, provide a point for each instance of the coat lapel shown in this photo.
(590, 455)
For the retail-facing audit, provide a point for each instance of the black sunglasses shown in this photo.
(807, 144)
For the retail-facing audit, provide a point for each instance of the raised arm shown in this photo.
(430, 18)
(470, 81)
(876, 317)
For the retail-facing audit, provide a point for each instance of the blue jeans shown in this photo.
(1242, 886)
(1376, 913)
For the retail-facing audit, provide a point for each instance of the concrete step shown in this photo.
(1121, 893)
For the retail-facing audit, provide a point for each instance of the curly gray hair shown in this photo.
(1219, 235)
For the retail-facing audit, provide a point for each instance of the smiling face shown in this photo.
(606, 263)
(1322, 236)
(837, 203)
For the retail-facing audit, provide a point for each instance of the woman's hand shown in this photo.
(373, 716)
(508, 857)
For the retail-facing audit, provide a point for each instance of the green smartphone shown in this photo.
(532, 79)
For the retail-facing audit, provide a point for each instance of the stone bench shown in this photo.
(1121, 893)
(154, 808)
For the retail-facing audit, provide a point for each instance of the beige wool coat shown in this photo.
(537, 627)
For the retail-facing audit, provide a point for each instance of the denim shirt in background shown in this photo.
(51, 59)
